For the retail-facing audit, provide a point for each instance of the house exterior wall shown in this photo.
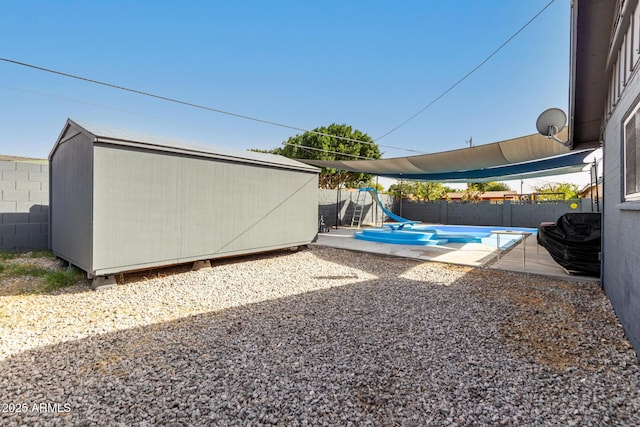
(621, 225)
(621, 232)
(24, 205)
(621, 220)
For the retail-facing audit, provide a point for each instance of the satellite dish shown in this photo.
(553, 117)
(551, 122)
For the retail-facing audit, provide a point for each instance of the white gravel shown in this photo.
(318, 337)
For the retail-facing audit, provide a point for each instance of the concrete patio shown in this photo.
(528, 258)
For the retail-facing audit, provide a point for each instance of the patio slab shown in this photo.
(537, 261)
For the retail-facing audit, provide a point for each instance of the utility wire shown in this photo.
(329, 151)
(78, 101)
(73, 100)
(193, 105)
(477, 67)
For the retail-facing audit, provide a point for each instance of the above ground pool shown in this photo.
(431, 235)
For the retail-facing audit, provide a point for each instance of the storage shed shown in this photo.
(123, 201)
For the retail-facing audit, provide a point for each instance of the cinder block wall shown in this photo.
(334, 205)
(501, 214)
(24, 205)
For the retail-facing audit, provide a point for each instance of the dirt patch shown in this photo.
(547, 318)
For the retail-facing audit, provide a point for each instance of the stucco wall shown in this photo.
(24, 205)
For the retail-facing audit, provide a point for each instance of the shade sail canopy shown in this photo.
(519, 158)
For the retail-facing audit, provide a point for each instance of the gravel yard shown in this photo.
(317, 337)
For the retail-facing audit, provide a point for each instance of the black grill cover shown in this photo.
(574, 242)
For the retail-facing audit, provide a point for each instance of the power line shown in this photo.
(193, 105)
(305, 147)
(73, 100)
(78, 101)
(476, 68)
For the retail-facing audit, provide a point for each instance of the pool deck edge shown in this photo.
(538, 260)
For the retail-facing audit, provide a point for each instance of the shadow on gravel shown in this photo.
(393, 350)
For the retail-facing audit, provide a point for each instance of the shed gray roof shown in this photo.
(123, 137)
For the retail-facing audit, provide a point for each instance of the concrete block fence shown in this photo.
(24, 205)
(338, 206)
(505, 214)
(334, 205)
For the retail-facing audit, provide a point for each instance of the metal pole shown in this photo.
(591, 184)
(400, 198)
(594, 171)
(338, 202)
(524, 252)
(375, 212)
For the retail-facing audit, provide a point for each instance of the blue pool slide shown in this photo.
(400, 221)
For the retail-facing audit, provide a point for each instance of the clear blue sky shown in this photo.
(369, 64)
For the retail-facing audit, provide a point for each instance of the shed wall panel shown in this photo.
(152, 208)
(230, 208)
(136, 208)
(71, 201)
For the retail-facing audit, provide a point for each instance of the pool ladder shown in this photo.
(358, 209)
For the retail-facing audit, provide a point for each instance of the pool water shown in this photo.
(432, 235)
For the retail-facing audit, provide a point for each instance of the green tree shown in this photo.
(320, 145)
(424, 191)
(474, 190)
(401, 189)
(378, 187)
(568, 191)
(429, 191)
(497, 186)
(483, 187)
